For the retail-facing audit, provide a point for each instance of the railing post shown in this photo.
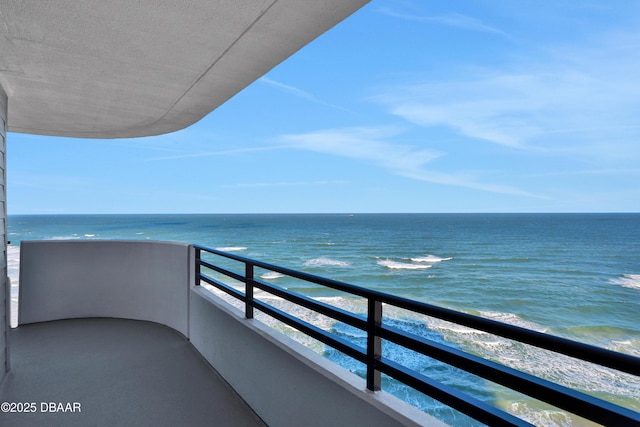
(248, 291)
(198, 253)
(374, 344)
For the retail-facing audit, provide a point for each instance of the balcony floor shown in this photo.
(120, 372)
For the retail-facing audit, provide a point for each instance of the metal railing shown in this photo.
(570, 400)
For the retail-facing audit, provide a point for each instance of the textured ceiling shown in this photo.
(122, 68)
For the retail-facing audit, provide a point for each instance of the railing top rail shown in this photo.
(609, 358)
(373, 323)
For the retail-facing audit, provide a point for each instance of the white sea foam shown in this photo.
(13, 271)
(13, 259)
(271, 275)
(430, 259)
(395, 265)
(326, 262)
(541, 417)
(89, 235)
(354, 304)
(341, 302)
(631, 346)
(554, 367)
(232, 248)
(512, 319)
(628, 281)
(489, 345)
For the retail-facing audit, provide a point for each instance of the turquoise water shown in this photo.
(573, 275)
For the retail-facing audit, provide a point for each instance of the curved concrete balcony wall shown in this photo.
(141, 280)
(284, 382)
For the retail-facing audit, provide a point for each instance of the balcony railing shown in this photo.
(570, 400)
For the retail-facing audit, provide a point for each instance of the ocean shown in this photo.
(571, 275)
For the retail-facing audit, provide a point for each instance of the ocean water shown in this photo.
(571, 275)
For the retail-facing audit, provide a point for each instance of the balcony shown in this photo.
(119, 330)
(140, 332)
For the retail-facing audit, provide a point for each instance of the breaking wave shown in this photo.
(326, 262)
(271, 275)
(232, 248)
(430, 259)
(395, 265)
(628, 281)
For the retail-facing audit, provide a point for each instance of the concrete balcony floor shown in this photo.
(119, 373)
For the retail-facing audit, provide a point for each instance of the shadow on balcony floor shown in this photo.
(116, 372)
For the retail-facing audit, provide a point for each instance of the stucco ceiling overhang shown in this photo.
(128, 68)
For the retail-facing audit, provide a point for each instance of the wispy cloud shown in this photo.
(231, 152)
(590, 172)
(55, 183)
(299, 93)
(570, 99)
(455, 20)
(283, 184)
(364, 144)
(497, 108)
(371, 145)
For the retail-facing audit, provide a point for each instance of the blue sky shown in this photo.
(407, 106)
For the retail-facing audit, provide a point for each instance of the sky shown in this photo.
(406, 106)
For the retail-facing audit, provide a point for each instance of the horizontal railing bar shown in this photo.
(239, 277)
(456, 399)
(321, 335)
(338, 314)
(223, 287)
(581, 404)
